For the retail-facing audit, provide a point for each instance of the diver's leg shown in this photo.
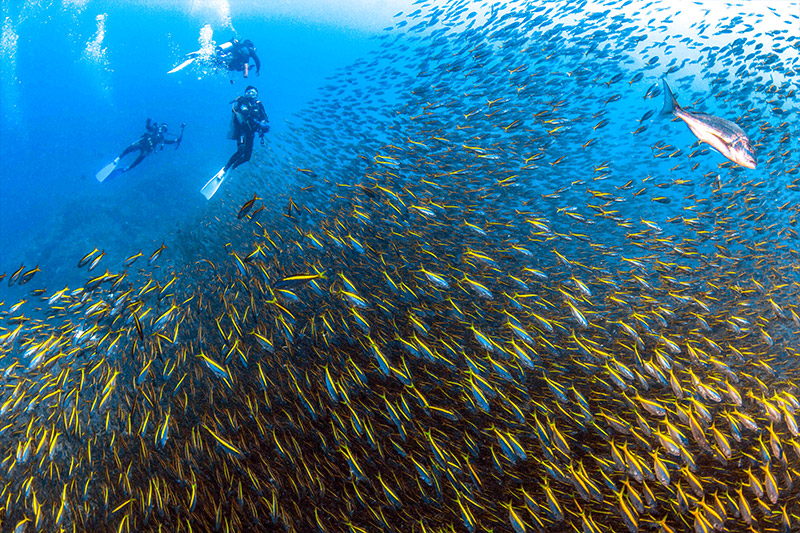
(241, 154)
(233, 162)
(129, 149)
(138, 160)
(248, 148)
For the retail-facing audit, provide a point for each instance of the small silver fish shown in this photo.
(723, 135)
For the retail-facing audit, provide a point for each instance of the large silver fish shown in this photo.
(723, 135)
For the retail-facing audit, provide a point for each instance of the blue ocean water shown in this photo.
(472, 279)
(70, 107)
(80, 78)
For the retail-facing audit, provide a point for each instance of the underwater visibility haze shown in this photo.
(492, 266)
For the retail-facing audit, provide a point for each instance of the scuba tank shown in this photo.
(224, 47)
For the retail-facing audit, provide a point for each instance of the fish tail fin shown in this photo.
(670, 104)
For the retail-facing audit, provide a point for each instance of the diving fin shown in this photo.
(182, 65)
(210, 188)
(107, 170)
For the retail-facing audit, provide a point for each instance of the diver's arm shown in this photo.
(257, 61)
(262, 119)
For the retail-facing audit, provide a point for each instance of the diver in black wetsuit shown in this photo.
(248, 119)
(235, 55)
(150, 140)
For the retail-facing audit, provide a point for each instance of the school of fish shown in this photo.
(475, 288)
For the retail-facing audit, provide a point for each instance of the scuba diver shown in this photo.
(236, 56)
(248, 118)
(233, 55)
(151, 140)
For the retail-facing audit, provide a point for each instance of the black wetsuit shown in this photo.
(149, 141)
(237, 55)
(248, 119)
